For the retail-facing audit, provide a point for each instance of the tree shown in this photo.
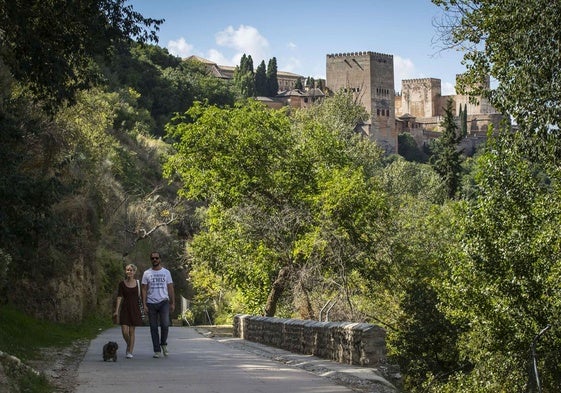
(283, 198)
(298, 85)
(238, 160)
(504, 275)
(167, 84)
(261, 80)
(244, 77)
(407, 147)
(310, 82)
(462, 117)
(515, 43)
(272, 81)
(71, 37)
(446, 158)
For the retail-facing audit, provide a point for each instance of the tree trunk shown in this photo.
(276, 291)
(303, 302)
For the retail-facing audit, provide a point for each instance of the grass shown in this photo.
(22, 336)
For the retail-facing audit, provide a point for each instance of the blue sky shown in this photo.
(303, 32)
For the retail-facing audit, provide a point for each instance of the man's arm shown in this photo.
(171, 294)
(144, 289)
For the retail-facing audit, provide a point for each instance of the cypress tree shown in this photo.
(261, 80)
(446, 158)
(310, 82)
(272, 81)
(464, 120)
(244, 79)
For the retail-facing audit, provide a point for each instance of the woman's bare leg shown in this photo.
(131, 338)
(125, 329)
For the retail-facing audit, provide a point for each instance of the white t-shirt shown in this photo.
(157, 282)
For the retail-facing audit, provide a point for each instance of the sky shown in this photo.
(301, 33)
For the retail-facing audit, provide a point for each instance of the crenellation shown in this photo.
(365, 53)
(419, 80)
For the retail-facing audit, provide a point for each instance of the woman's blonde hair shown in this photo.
(131, 265)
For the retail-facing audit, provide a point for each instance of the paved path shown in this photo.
(196, 364)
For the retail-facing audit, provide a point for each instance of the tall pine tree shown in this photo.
(272, 81)
(244, 78)
(463, 121)
(446, 156)
(261, 80)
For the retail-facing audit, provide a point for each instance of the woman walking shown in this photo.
(127, 310)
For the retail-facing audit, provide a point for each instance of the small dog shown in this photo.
(110, 351)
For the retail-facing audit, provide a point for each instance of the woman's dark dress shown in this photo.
(130, 312)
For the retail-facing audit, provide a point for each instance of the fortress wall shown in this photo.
(351, 343)
(370, 77)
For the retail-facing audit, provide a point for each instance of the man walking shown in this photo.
(158, 299)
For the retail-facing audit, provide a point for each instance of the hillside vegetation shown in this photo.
(113, 148)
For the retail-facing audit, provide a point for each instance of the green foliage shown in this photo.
(513, 42)
(32, 145)
(261, 80)
(310, 82)
(22, 336)
(60, 187)
(71, 37)
(407, 147)
(167, 85)
(426, 341)
(75, 159)
(463, 121)
(272, 80)
(421, 338)
(506, 274)
(285, 195)
(446, 157)
(402, 179)
(228, 251)
(227, 155)
(244, 77)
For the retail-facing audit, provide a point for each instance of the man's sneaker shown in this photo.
(157, 355)
(165, 350)
(129, 355)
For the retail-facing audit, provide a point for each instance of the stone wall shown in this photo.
(351, 343)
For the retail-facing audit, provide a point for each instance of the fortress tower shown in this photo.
(421, 97)
(369, 76)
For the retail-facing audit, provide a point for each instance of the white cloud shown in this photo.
(291, 45)
(218, 57)
(245, 39)
(292, 65)
(180, 48)
(448, 88)
(403, 69)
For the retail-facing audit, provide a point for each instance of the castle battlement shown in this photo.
(365, 53)
(419, 80)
